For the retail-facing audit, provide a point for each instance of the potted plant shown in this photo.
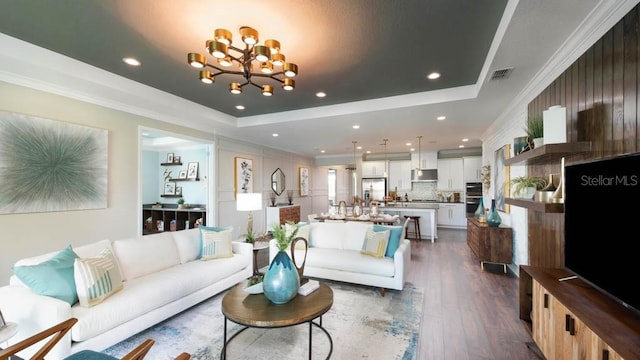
(535, 131)
(526, 186)
(181, 204)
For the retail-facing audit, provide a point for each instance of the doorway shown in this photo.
(174, 167)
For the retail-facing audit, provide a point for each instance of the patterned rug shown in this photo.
(362, 324)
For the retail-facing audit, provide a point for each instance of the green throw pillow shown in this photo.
(394, 238)
(53, 277)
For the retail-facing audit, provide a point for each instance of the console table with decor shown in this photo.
(490, 244)
(282, 214)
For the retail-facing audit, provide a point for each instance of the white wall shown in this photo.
(25, 235)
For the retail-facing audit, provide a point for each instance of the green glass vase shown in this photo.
(493, 218)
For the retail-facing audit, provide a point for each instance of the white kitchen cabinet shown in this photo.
(424, 160)
(400, 175)
(452, 215)
(450, 174)
(373, 169)
(472, 168)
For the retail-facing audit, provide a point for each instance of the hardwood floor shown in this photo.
(468, 313)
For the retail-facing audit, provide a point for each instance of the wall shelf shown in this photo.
(171, 196)
(549, 208)
(171, 164)
(548, 153)
(196, 179)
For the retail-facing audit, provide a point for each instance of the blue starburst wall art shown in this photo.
(48, 165)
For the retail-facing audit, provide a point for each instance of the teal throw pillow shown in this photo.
(394, 238)
(53, 277)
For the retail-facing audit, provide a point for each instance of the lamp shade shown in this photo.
(249, 201)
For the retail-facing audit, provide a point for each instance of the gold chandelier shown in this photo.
(268, 56)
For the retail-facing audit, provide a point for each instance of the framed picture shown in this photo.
(170, 157)
(304, 181)
(192, 170)
(182, 174)
(243, 172)
(169, 188)
(179, 190)
(501, 178)
(176, 159)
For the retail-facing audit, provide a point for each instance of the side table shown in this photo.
(9, 330)
(257, 246)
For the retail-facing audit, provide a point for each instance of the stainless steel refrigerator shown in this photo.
(374, 188)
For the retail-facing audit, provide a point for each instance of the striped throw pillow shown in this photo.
(375, 243)
(97, 278)
(216, 244)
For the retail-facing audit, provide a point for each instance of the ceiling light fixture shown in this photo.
(419, 154)
(355, 170)
(433, 76)
(267, 56)
(385, 156)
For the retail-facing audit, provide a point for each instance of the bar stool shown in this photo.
(416, 225)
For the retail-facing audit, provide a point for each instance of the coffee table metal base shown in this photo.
(223, 353)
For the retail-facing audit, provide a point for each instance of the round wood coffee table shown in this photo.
(258, 312)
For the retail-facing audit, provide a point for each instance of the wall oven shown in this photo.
(473, 194)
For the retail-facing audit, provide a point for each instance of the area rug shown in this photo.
(362, 324)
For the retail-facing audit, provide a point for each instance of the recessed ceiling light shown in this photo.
(275, 134)
(441, 117)
(412, 149)
(359, 148)
(465, 140)
(322, 151)
(132, 61)
(368, 151)
(239, 107)
(433, 76)
(408, 144)
(321, 94)
(460, 146)
(356, 126)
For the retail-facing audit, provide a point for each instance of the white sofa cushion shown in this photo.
(349, 261)
(147, 254)
(338, 235)
(155, 290)
(188, 244)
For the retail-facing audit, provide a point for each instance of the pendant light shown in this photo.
(419, 155)
(355, 170)
(385, 156)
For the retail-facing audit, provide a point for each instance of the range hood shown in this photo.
(426, 175)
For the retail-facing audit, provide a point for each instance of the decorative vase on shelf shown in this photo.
(480, 214)
(493, 218)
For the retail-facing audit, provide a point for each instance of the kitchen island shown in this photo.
(428, 212)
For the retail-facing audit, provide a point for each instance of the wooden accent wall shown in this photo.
(601, 93)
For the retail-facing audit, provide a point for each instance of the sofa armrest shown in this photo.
(242, 248)
(34, 313)
(402, 260)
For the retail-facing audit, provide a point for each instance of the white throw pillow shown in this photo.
(375, 243)
(188, 244)
(96, 278)
(216, 244)
(146, 254)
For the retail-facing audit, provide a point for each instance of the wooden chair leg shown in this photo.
(140, 351)
(383, 291)
(183, 356)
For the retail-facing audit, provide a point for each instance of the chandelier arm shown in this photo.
(222, 71)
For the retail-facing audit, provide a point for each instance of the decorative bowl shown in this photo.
(254, 289)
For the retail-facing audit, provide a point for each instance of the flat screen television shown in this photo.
(601, 225)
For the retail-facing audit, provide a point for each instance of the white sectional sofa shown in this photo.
(161, 277)
(334, 253)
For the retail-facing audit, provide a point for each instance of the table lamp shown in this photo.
(249, 202)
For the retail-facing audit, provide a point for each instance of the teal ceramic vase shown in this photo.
(480, 213)
(493, 218)
(281, 281)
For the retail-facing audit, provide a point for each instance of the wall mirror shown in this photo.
(277, 182)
